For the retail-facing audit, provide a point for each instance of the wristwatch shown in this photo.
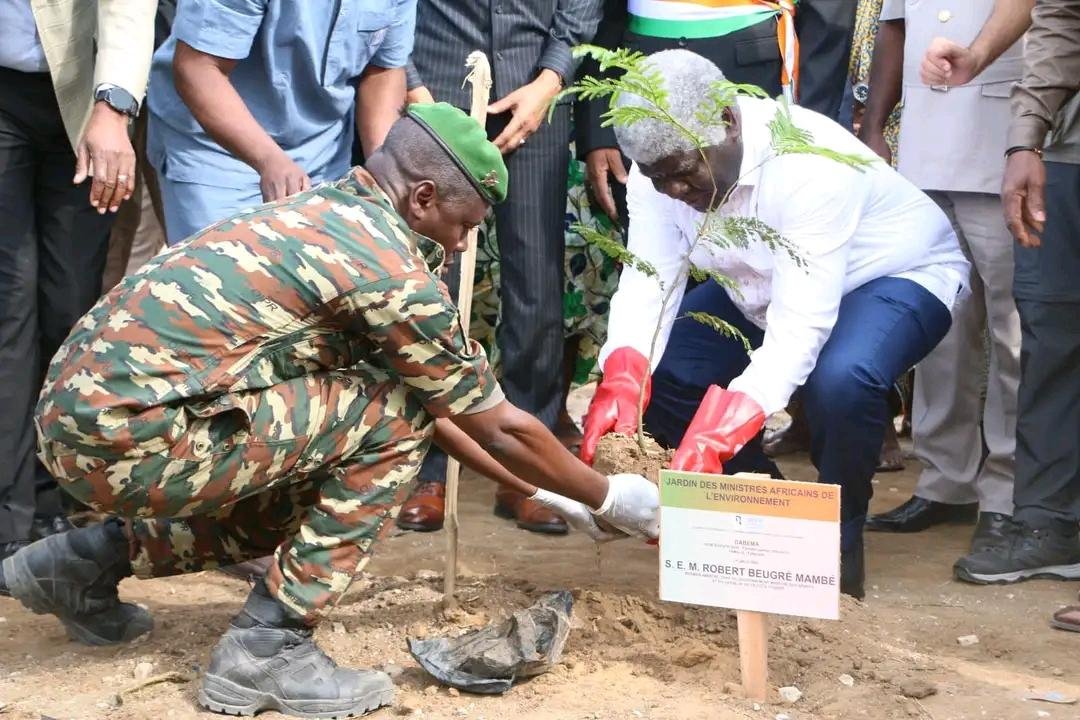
(117, 98)
(861, 91)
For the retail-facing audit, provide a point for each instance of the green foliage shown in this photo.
(721, 326)
(613, 249)
(789, 139)
(738, 231)
(702, 274)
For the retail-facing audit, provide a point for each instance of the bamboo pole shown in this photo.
(479, 78)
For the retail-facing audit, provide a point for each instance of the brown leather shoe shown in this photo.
(529, 514)
(424, 510)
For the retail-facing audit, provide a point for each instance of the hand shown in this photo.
(105, 153)
(280, 177)
(576, 514)
(1022, 197)
(875, 140)
(598, 164)
(419, 95)
(614, 407)
(724, 422)
(528, 104)
(949, 63)
(632, 505)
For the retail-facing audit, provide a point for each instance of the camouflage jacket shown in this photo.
(328, 279)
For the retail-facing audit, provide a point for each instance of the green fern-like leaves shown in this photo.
(701, 274)
(721, 326)
(789, 139)
(614, 249)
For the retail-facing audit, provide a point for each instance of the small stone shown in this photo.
(790, 694)
(734, 689)
(846, 680)
(1057, 672)
(1041, 713)
(431, 690)
(917, 688)
(757, 706)
(392, 669)
(427, 575)
(968, 640)
(3, 619)
(782, 716)
(143, 670)
(338, 628)
(454, 692)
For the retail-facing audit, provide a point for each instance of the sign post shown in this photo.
(752, 544)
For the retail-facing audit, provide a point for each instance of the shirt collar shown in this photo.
(361, 183)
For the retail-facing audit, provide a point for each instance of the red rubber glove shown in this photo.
(723, 424)
(614, 406)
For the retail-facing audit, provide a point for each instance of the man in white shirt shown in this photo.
(869, 293)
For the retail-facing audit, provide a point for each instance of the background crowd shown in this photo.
(128, 123)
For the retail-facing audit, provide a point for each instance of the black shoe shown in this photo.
(74, 575)
(45, 525)
(7, 550)
(1027, 553)
(853, 571)
(917, 514)
(991, 532)
(267, 660)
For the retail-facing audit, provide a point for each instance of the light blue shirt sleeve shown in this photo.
(225, 28)
(397, 46)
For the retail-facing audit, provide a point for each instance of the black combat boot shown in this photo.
(267, 660)
(74, 575)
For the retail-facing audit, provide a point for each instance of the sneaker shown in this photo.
(1027, 553)
(268, 660)
(993, 531)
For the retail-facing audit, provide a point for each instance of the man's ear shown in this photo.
(733, 123)
(423, 197)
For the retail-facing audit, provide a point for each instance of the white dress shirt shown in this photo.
(848, 226)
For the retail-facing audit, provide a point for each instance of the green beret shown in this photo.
(465, 141)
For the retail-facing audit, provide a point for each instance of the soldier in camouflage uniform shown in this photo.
(272, 385)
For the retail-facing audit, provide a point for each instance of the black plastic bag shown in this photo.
(489, 660)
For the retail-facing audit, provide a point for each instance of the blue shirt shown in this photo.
(299, 63)
(21, 49)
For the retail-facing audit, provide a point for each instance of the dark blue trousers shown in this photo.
(883, 329)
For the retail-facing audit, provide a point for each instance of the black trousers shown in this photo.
(1047, 488)
(824, 28)
(52, 253)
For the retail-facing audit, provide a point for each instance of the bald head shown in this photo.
(687, 78)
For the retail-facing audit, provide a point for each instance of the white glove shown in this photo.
(578, 515)
(632, 505)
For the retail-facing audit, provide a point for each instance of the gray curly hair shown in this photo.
(687, 77)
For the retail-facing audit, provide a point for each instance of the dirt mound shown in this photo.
(621, 454)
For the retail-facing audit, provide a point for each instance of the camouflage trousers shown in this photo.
(310, 470)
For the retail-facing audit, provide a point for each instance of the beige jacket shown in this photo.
(123, 33)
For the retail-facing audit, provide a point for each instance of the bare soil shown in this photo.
(617, 453)
(629, 656)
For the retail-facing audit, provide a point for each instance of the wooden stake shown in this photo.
(480, 78)
(754, 653)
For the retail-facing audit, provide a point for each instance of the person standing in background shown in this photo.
(1041, 199)
(254, 100)
(952, 145)
(529, 46)
(72, 75)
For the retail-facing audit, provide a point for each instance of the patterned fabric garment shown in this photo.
(591, 279)
(271, 381)
(862, 53)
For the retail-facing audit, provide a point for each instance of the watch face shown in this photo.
(861, 92)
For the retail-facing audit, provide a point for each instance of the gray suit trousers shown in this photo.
(965, 443)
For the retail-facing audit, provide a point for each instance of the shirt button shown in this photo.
(498, 56)
(682, 42)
